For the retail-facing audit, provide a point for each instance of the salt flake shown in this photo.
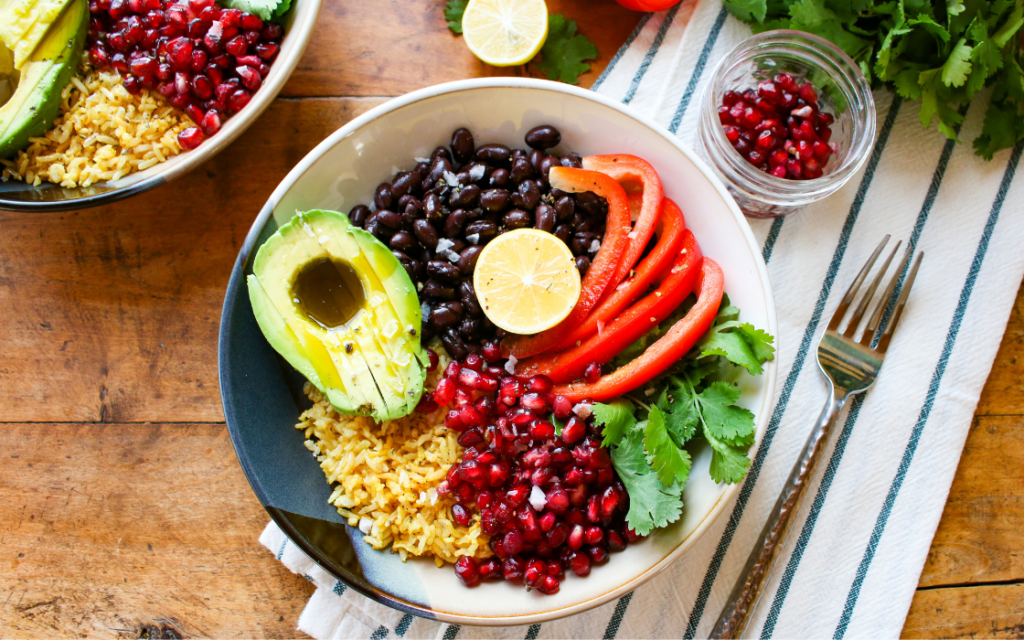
(452, 256)
(473, 238)
(365, 525)
(537, 498)
(444, 244)
(594, 246)
(423, 160)
(451, 179)
(510, 366)
(582, 410)
(631, 235)
(477, 172)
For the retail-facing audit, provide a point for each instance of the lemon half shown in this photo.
(505, 32)
(526, 281)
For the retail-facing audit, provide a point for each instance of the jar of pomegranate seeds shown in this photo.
(786, 119)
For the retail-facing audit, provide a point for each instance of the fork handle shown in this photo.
(746, 594)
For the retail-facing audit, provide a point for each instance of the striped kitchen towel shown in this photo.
(853, 562)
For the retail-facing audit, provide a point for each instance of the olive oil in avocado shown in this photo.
(329, 292)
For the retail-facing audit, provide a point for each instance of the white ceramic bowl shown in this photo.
(298, 24)
(345, 169)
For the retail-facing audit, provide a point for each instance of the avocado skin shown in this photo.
(384, 375)
(36, 101)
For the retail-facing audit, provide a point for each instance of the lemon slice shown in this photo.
(505, 32)
(526, 281)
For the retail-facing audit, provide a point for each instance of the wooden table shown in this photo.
(123, 511)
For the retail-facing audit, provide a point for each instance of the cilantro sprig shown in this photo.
(265, 9)
(565, 53)
(649, 438)
(941, 52)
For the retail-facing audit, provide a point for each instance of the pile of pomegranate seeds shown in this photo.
(549, 503)
(779, 129)
(208, 61)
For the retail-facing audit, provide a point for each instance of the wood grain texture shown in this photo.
(112, 530)
(995, 611)
(391, 47)
(111, 314)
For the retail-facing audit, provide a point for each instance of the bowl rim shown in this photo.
(280, 72)
(237, 277)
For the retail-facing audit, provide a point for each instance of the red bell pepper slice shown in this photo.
(628, 327)
(665, 352)
(650, 270)
(627, 168)
(599, 276)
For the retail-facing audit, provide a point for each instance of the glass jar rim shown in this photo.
(838, 66)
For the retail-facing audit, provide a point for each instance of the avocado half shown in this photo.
(33, 107)
(371, 364)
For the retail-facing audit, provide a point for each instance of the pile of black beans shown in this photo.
(437, 218)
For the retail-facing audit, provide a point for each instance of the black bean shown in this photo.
(443, 270)
(483, 229)
(383, 197)
(402, 241)
(359, 214)
(410, 268)
(545, 217)
(389, 218)
(441, 317)
(521, 170)
(462, 145)
(420, 171)
(583, 242)
(379, 231)
(463, 178)
(592, 204)
(564, 232)
(468, 327)
(545, 166)
(434, 290)
(432, 207)
(588, 224)
(494, 199)
(518, 153)
(530, 193)
(467, 294)
(454, 222)
(517, 219)
(543, 137)
(479, 169)
(535, 156)
(402, 183)
(467, 260)
(582, 264)
(467, 196)
(458, 244)
(572, 160)
(425, 233)
(500, 333)
(493, 153)
(474, 214)
(438, 169)
(564, 208)
(441, 152)
(455, 306)
(454, 344)
(406, 200)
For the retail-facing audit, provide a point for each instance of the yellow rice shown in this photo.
(102, 133)
(386, 476)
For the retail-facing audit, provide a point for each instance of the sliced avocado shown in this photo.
(277, 264)
(331, 286)
(36, 100)
(24, 24)
(392, 305)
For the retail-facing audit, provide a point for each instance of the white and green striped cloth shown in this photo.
(851, 567)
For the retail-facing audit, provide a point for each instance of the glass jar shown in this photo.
(842, 91)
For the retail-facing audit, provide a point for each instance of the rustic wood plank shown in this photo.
(111, 314)
(993, 611)
(356, 51)
(1004, 390)
(112, 530)
(979, 537)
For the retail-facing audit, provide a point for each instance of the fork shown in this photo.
(850, 366)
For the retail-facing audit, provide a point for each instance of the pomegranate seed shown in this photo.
(273, 31)
(180, 101)
(580, 564)
(779, 171)
(616, 542)
(426, 403)
(268, 51)
(444, 392)
(513, 542)
(202, 87)
(769, 91)
(132, 85)
(491, 351)
(593, 509)
(250, 22)
(452, 421)
(562, 407)
(808, 93)
(512, 568)
(547, 521)
(452, 370)
(593, 535)
(540, 384)
(535, 573)
(574, 516)
(231, 17)
(558, 500)
(214, 37)
(517, 495)
(598, 554)
(534, 402)
(592, 373)
(484, 499)
(497, 474)
(751, 117)
(576, 538)
(490, 568)
(467, 570)
(541, 476)
(609, 501)
(794, 168)
(433, 359)
(249, 60)
(471, 437)
(574, 477)
(460, 515)
(542, 430)
(210, 123)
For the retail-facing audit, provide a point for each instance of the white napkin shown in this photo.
(856, 553)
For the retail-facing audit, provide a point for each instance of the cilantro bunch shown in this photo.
(942, 52)
(648, 432)
(564, 54)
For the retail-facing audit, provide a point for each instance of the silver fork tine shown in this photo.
(876, 318)
(883, 342)
(837, 317)
(858, 314)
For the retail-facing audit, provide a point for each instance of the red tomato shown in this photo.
(648, 5)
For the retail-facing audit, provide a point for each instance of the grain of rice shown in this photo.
(102, 133)
(388, 473)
